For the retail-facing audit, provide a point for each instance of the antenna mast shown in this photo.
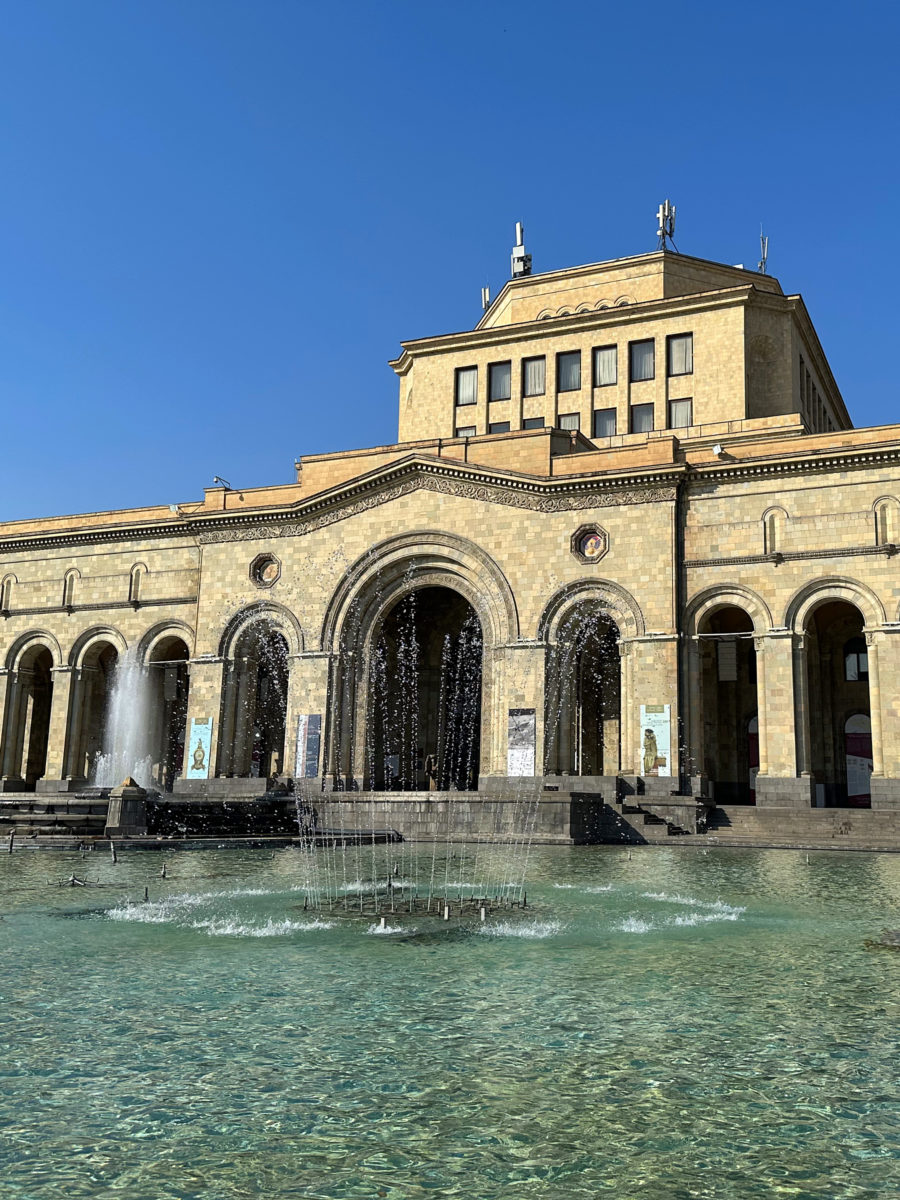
(764, 251)
(520, 262)
(665, 233)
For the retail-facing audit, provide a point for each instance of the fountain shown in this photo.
(126, 735)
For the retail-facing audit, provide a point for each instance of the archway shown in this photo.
(168, 684)
(729, 725)
(29, 698)
(254, 704)
(840, 737)
(583, 699)
(424, 694)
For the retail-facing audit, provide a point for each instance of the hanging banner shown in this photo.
(309, 735)
(520, 742)
(655, 750)
(199, 747)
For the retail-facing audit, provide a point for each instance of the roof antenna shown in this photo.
(764, 250)
(520, 262)
(485, 298)
(665, 216)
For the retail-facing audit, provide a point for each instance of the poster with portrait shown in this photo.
(520, 743)
(309, 733)
(199, 748)
(655, 749)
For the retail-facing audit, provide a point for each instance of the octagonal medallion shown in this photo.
(590, 543)
(265, 570)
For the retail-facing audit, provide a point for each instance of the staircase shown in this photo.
(31, 818)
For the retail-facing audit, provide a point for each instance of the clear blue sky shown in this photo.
(219, 219)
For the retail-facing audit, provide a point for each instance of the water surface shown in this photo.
(661, 1023)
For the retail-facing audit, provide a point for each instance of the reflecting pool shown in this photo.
(657, 1023)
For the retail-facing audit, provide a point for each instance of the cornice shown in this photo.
(794, 464)
(740, 560)
(574, 322)
(541, 494)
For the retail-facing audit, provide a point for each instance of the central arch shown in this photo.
(469, 582)
(424, 692)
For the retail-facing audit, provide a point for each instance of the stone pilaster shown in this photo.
(204, 700)
(780, 680)
(307, 694)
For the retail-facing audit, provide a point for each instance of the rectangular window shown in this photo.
(498, 380)
(606, 371)
(466, 431)
(641, 418)
(498, 427)
(466, 385)
(643, 361)
(533, 422)
(570, 421)
(605, 423)
(681, 354)
(568, 371)
(534, 372)
(681, 414)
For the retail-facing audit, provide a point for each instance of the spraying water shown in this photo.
(126, 749)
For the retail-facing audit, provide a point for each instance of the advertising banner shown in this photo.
(198, 764)
(309, 735)
(655, 750)
(520, 742)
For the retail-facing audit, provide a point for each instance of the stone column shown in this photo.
(204, 700)
(777, 784)
(521, 684)
(626, 709)
(8, 727)
(58, 774)
(654, 680)
(875, 707)
(307, 694)
(800, 650)
(693, 718)
(886, 786)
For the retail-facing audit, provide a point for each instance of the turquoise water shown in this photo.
(659, 1023)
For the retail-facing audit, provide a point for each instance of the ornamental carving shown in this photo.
(466, 490)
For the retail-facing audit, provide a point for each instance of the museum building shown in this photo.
(627, 532)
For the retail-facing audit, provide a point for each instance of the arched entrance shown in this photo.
(30, 695)
(729, 722)
(168, 684)
(254, 704)
(840, 731)
(424, 694)
(583, 703)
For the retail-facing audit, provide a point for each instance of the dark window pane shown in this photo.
(534, 372)
(568, 371)
(642, 361)
(641, 418)
(466, 385)
(605, 423)
(499, 380)
(606, 370)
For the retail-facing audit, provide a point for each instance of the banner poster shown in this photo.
(520, 742)
(655, 750)
(198, 751)
(309, 734)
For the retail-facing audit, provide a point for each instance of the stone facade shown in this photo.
(740, 596)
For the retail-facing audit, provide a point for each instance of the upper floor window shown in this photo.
(568, 371)
(856, 659)
(465, 431)
(534, 372)
(533, 422)
(681, 354)
(570, 421)
(643, 360)
(466, 385)
(606, 371)
(641, 418)
(605, 422)
(681, 414)
(499, 380)
(498, 427)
